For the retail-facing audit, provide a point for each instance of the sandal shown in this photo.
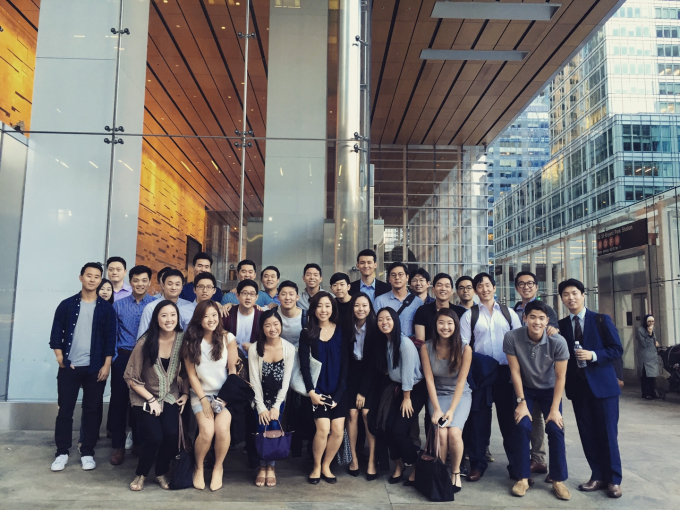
(260, 480)
(138, 483)
(163, 482)
(456, 478)
(270, 480)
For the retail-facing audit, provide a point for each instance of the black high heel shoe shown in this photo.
(394, 479)
(370, 477)
(353, 472)
(456, 488)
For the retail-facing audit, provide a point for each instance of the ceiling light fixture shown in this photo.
(495, 11)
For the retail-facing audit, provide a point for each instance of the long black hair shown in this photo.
(394, 340)
(150, 347)
(261, 337)
(312, 329)
(454, 341)
(101, 284)
(349, 328)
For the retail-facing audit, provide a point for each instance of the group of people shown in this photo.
(367, 356)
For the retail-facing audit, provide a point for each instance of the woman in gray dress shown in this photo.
(648, 358)
(446, 363)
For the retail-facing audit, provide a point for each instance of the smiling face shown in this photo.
(106, 291)
(167, 318)
(172, 287)
(140, 284)
(324, 311)
(288, 297)
(419, 284)
(312, 278)
(202, 266)
(211, 319)
(443, 290)
(247, 272)
(366, 265)
(536, 322)
(272, 328)
(269, 280)
(204, 290)
(527, 287)
(385, 322)
(445, 326)
(91, 278)
(362, 308)
(486, 290)
(573, 299)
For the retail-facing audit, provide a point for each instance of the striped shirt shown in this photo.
(128, 315)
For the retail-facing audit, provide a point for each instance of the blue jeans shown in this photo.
(274, 425)
(557, 459)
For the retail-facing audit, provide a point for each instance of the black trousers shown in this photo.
(479, 432)
(159, 436)
(69, 382)
(119, 404)
(398, 427)
(647, 385)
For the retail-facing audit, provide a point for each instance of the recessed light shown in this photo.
(224, 28)
(177, 26)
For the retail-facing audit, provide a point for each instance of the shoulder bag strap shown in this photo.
(506, 314)
(474, 317)
(407, 302)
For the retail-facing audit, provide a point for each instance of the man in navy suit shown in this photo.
(594, 390)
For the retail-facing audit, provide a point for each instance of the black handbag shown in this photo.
(182, 466)
(432, 476)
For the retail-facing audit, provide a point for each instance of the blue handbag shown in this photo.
(273, 444)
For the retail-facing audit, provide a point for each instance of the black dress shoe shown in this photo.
(313, 481)
(394, 479)
(329, 479)
(370, 477)
(353, 472)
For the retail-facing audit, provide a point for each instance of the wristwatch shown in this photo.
(520, 400)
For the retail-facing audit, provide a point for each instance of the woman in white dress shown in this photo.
(210, 355)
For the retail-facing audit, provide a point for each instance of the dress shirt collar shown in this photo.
(581, 316)
(371, 286)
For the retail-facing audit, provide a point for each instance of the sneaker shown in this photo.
(128, 441)
(88, 463)
(488, 455)
(59, 463)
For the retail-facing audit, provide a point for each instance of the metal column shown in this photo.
(347, 194)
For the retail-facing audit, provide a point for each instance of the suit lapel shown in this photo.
(589, 330)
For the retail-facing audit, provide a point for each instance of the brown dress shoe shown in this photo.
(117, 457)
(561, 491)
(520, 488)
(614, 491)
(548, 479)
(539, 467)
(475, 475)
(592, 486)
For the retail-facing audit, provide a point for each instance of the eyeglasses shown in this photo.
(397, 275)
(248, 294)
(205, 287)
(528, 285)
(469, 287)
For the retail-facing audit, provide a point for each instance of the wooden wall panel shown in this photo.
(169, 211)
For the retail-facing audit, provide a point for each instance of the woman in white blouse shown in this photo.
(210, 355)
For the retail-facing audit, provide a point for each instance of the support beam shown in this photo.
(495, 10)
(500, 56)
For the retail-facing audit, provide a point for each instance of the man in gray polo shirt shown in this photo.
(538, 367)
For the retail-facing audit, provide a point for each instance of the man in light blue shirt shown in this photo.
(247, 270)
(400, 296)
(368, 284)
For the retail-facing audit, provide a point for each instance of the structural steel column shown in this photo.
(347, 191)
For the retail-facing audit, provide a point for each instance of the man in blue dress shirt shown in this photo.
(367, 263)
(399, 298)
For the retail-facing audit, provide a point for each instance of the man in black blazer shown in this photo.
(593, 390)
(367, 264)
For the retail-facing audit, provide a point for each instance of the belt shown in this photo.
(127, 352)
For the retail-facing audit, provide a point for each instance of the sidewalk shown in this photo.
(649, 439)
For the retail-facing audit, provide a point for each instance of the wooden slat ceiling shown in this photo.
(195, 81)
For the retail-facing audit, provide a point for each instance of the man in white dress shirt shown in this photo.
(484, 327)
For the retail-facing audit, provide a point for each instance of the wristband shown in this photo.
(151, 400)
(202, 397)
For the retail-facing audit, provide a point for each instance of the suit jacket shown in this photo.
(380, 287)
(601, 375)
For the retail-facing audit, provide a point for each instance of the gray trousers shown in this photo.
(537, 435)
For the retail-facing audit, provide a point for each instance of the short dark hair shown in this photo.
(462, 279)
(395, 265)
(571, 282)
(367, 253)
(246, 262)
(116, 259)
(312, 265)
(247, 283)
(201, 255)
(93, 265)
(537, 305)
(524, 273)
(205, 276)
(480, 277)
(140, 270)
(159, 275)
(422, 272)
(288, 283)
(271, 268)
(172, 272)
(339, 277)
(442, 276)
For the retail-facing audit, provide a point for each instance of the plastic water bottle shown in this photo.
(580, 362)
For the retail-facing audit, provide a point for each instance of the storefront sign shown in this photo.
(621, 238)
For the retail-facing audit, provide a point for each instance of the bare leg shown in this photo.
(334, 442)
(353, 431)
(455, 438)
(222, 442)
(371, 470)
(398, 468)
(323, 428)
(206, 431)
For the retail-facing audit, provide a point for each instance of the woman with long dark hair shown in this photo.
(105, 290)
(157, 392)
(270, 360)
(648, 357)
(400, 357)
(446, 363)
(322, 338)
(210, 355)
(362, 377)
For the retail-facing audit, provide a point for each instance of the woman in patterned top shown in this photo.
(270, 363)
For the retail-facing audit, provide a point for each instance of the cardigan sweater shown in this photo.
(255, 370)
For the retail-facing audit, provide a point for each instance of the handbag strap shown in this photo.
(266, 427)
(180, 441)
(433, 440)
